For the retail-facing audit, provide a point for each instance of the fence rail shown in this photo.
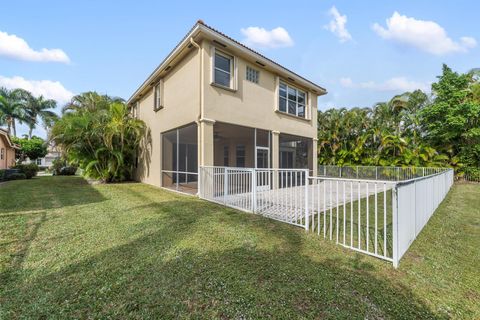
(416, 202)
(354, 213)
(376, 217)
(376, 173)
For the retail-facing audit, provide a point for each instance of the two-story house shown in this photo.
(215, 102)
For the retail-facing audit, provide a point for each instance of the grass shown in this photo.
(72, 250)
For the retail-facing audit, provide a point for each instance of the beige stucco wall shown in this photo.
(180, 107)
(252, 104)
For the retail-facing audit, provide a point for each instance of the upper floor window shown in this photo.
(291, 100)
(157, 98)
(134, 109)
(223, 70)
(252, 75)
(2, 152)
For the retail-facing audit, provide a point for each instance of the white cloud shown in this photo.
(468, 42)
(425, 35)
(15, 47)
(338, 25)
(260, 37)
(401, 84)
(49, 89)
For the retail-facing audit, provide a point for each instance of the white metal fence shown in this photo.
(275, 193)
(376, 217)
(358, 214)
(468, 174)
(416, 201)
(376, 173)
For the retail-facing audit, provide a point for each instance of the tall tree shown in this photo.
(98, 134)
(12, 104)
(39, 109)
(90, 101)
(452, 121)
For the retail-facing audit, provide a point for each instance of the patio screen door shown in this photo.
(263, 162)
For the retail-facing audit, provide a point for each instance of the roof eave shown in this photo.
(274, 65)
(164, 63)
(201, 27)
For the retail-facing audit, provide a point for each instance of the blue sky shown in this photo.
(361, 51)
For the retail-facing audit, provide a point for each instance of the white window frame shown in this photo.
(233, 69)
(158, 96)
(305, 102)
(254, 71)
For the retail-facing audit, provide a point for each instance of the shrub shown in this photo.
(99, 134)
(29, 170)
(2, 174)
(17, 176)
(60, 167)
(67, 171)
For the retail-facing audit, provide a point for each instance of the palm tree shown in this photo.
(98, 134)
(12, 103)
(39, 109)
(90, 101)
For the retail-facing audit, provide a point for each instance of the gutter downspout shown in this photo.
(196, 45)
(200, 112)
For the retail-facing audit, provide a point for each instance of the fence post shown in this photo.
(395, 226)
(254, 190)
(307, 218)
(225, 185)
(200, 178)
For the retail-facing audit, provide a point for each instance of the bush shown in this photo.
(2, 174)
(29, 170)
(61, 168)
(67, 171)
(17, 176)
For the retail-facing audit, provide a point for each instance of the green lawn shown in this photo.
(72, 250)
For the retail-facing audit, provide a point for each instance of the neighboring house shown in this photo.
(47, 161)
(7, 150)
(215, 102)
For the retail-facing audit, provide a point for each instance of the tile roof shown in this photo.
(188, 34)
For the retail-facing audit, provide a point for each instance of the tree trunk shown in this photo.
(30, 132)
(14, 128)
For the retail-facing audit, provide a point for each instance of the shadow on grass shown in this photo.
(42, 193)
(155, 276)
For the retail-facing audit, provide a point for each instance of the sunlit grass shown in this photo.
(72, 250)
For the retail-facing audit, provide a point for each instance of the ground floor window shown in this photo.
(180, 159)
